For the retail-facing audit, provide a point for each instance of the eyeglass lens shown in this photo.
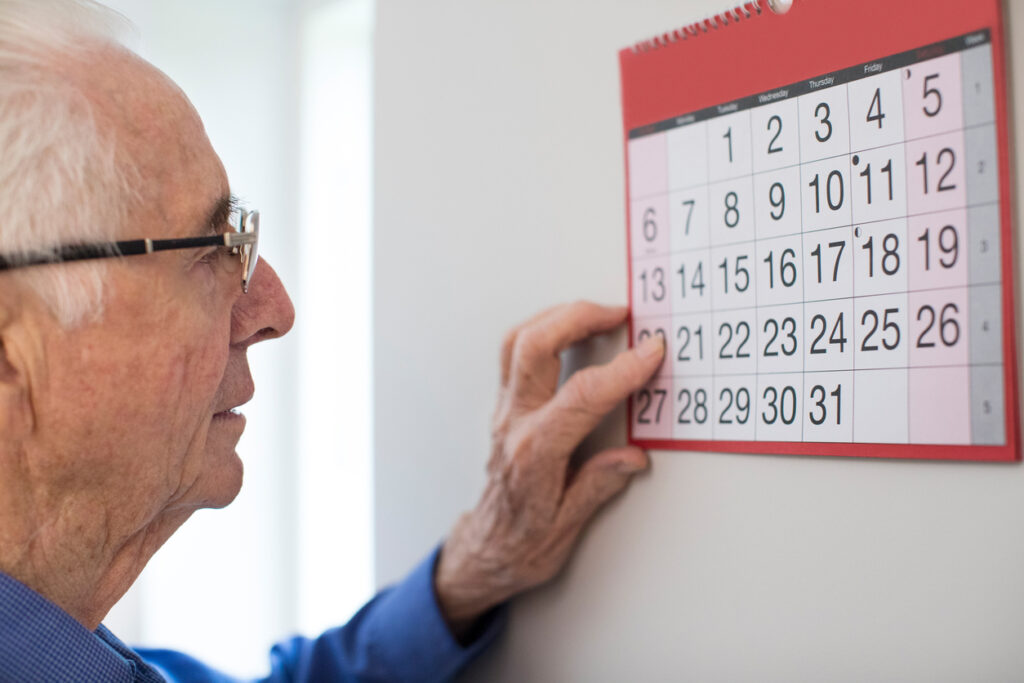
(250, 252)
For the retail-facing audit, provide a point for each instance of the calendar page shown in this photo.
(827, 258)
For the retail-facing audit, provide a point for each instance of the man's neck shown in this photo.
(75, 552)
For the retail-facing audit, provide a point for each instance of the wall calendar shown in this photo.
(820, 226)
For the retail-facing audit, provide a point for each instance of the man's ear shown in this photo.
(15, 402)
(7, 372)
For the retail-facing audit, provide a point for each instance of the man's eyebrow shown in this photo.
(218, 215)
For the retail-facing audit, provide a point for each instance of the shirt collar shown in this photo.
(40, 641)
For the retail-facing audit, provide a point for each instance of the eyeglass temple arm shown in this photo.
(83, 252)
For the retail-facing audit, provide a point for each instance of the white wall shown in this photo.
(335, 510)
(499, 191)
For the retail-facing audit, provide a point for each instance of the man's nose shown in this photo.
(266, 312)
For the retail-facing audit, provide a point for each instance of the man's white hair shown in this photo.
(61, 178)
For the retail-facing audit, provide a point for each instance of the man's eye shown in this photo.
(210, 256)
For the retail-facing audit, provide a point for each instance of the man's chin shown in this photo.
(229, 481)
(223, 480)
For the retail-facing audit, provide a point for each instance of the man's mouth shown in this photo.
(231, 412)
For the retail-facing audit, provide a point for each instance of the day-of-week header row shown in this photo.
(848, 75)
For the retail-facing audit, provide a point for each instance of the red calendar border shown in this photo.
(767, 50)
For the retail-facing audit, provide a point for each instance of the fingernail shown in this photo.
(630, 467)
(651, 347)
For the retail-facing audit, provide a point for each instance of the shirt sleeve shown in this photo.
(400, 635)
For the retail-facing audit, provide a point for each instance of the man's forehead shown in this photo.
(157, 130)
(131, 94)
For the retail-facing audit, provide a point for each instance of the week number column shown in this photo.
(984, 250)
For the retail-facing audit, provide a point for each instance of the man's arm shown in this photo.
(400, 635)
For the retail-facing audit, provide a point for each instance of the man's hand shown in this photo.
(534, 505)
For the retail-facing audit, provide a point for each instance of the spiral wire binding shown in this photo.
(743, 12)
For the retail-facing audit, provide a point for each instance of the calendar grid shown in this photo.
(867, 188)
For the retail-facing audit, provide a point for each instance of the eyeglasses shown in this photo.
(244, 241)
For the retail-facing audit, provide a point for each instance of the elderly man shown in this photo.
(129, 295)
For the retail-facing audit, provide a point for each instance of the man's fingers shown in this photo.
(535, 363)
(508, 344)
(593, 392)
(600, 478)
(559, 328)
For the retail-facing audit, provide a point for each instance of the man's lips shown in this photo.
(232, 412)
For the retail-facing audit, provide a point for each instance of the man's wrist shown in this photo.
(466, 586)
(459, 591)
(461, 612)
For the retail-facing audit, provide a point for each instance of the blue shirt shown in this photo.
(400, 635)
